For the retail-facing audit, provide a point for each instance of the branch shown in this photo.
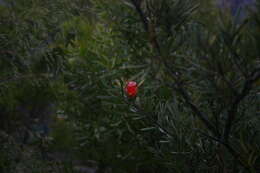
(148, 26)
(141, 13)
(154, 42)
(255, 75)
(197, 112)
(231, 150)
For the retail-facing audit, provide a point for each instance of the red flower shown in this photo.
(131, 89)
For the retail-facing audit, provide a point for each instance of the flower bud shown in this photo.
(131, 89)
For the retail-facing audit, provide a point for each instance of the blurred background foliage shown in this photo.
(64, 65)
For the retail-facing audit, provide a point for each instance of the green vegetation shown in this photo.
(64, 66)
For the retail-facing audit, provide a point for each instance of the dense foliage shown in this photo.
(63, 70)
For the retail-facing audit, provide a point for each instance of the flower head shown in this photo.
(131, 89)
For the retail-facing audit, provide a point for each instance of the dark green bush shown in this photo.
(64, 66)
